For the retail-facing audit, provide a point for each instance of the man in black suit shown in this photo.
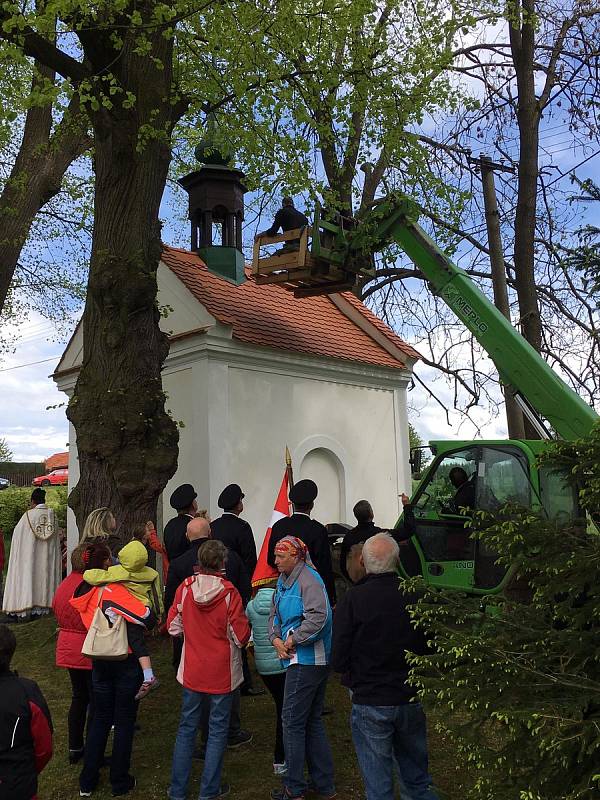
(367, 528)
(182, 567)
(312, 533)
(183, 500)
(235, 533)
(198, 533)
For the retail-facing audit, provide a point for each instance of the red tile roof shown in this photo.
(272, 317)
(57, 461)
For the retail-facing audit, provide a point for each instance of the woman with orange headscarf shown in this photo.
(300, 632)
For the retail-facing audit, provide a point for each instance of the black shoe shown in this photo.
(75, 756)
(130, 788)
(242, 737)
(224, 790)
(252, 691)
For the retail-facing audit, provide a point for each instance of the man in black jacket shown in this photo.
(198, 533)
(25, 728)
(372, 631)
(313, 534)
(235, 533)
(287, 218)
(183, 500)
(367, 528)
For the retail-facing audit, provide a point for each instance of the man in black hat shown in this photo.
(313, 534)
(235, 533)
(183, 500)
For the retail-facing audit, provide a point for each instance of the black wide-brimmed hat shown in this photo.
(303, 492)
(183, 496)
(230, 496)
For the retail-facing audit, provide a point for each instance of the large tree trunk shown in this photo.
(36, 176)
(522, 40)
(126, 441)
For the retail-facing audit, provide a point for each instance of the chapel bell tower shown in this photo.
(216, 211)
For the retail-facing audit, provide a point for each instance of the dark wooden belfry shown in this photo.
(216, 212)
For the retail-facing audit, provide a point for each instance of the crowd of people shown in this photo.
(217, 596)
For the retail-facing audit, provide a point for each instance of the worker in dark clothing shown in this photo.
(313, 534)
(183, 500)
(287, 218)
(464, 496)
(367, 528)
(199, 532)
(25, 728)
(186, 565)
(363, 530)
(235, 533)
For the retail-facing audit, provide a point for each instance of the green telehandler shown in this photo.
(477, 475)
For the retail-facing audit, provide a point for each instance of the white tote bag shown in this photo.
(104, 641)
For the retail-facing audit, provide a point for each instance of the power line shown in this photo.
(31, 364)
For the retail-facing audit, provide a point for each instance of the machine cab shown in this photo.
(467, 477)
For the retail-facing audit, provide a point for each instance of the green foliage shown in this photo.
(6, 453)
(517, 688)
(15, 501)
(585, 257)
(414, 440)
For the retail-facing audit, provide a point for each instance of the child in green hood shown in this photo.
(143, 582)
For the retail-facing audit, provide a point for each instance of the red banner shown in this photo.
(263, 572)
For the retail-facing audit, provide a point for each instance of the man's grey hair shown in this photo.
(380, 554)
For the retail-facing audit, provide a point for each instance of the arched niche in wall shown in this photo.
(323, 460)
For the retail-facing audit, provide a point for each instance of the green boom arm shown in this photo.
(518, 364)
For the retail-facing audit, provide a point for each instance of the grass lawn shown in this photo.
(249, 769)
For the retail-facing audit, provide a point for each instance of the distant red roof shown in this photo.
(272, 317)
(57, 461)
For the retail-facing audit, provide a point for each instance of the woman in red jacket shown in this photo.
(71, 634)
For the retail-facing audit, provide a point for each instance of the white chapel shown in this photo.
(252, 369)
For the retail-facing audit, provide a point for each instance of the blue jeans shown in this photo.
(218, 725)
(382, 733)
(304, 736)
(114, 686)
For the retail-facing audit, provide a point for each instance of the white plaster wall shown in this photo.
(184, 312)
(186, 406)
(262, 411)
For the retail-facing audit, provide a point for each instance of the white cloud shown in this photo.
(32, 431)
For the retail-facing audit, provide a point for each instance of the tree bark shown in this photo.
(126, 441)
(36, 176)
(522, 41)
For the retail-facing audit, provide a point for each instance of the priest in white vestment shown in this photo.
(34, 566)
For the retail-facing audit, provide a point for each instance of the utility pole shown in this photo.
(514, 415)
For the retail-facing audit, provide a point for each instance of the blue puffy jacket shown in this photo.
(301, 610)
(265, 655)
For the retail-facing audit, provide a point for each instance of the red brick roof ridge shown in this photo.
(270, 316)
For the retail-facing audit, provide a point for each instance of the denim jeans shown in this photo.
(235, 722)
(114, 686)
(304, 734)
(218, 724)
(382, 733)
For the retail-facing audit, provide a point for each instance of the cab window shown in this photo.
(559, 500)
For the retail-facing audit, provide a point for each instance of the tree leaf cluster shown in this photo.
(517, 686)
